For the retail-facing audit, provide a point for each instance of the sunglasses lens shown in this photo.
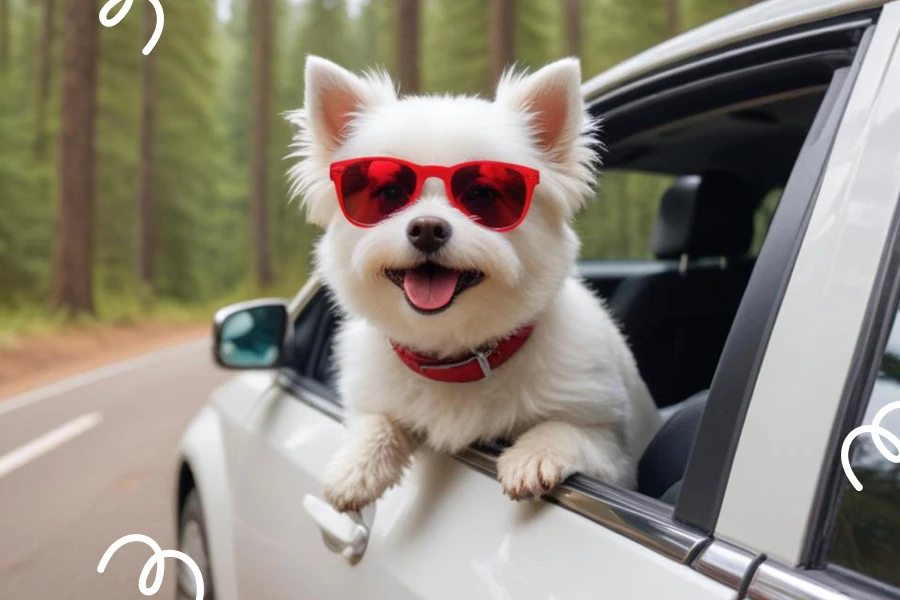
(373, 190)
(495, 195)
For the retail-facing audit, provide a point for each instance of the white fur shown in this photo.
(571, 398)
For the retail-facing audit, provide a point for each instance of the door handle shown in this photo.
(343, 533)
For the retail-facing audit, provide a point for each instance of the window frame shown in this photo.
(811, 576)
(706, 477)
(883, 307)
(676, 532)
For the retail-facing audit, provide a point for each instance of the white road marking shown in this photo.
(51, 440)
(66, 385)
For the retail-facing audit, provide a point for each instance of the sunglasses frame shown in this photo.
(423, 173)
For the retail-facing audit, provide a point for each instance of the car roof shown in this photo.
(758, 20)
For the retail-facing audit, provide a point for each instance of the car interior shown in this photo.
(676, 310)
(678, 316)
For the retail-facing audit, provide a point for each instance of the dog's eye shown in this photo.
(391, 195)
(479, 195)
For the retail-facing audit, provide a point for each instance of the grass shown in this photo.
(34, 319)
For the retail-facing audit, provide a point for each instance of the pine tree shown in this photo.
(73, 281)
(408, 17)
(573, 27)
(262, 89)
(673, 17)
(502, 37)
(146, 213)
(45, 75)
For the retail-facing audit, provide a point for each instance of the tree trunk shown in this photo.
(72, 275)
(673, 25)
(573, 27)
(408, 17)
(262, 82)
(45, 74)
(503, 24)
(146, 226)
(4, 36)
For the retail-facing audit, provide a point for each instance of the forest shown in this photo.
(134, 185)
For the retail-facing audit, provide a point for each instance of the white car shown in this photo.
(761, 362)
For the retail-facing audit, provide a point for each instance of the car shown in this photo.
(762, 361)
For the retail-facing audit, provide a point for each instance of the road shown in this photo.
(89, 460)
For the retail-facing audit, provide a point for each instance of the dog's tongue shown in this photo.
(430, 287)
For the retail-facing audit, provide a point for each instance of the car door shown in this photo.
(447, 531)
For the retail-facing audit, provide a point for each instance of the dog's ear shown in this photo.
(334, 96)
(552, 97)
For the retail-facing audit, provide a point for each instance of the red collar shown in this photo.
(476, 367)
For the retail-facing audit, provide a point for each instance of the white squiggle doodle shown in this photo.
(157, 560)
(877, 432)
(108, 21)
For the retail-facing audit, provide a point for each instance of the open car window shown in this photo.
(734, 138)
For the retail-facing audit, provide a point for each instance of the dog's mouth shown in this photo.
(431, 288)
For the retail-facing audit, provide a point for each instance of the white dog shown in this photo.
(465, 319)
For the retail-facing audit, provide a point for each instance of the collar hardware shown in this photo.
(477, 367)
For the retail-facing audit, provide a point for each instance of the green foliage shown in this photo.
(455, 50)
(538, 32)
(868, 522)
(117, 146)
(25, 218)
(203, 125)
(697, 12)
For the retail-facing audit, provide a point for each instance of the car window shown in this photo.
(325, 371)
(617, 224)
(866, 537)
(301, 343)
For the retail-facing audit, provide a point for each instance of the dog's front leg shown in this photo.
(549, 452)
(372, 461)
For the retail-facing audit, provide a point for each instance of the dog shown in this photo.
(448, 245)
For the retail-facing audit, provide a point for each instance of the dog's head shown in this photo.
(429, 276)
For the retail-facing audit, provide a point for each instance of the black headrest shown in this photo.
(706, 215)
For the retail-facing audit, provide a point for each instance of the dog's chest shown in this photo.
(452, 416)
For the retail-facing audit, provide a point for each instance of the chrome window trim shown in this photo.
(641, 519)
(728, 564)
(304, 296)
(774, 581)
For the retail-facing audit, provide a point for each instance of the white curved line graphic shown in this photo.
(157, 560)
(877, 432)
(108, 21)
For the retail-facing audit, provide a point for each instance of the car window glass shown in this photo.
(763, 218)
(866, 536)
(302, 341)
(326, 370)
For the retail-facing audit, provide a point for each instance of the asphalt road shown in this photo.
(89, 460)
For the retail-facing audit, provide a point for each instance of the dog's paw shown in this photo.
(527, 473)
(351, 488)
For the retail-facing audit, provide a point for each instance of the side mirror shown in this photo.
(250, 335)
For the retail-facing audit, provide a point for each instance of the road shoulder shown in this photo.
(41, 360)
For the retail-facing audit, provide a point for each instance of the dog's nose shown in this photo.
(428, 234)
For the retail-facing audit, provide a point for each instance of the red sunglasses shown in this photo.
(494, 195)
